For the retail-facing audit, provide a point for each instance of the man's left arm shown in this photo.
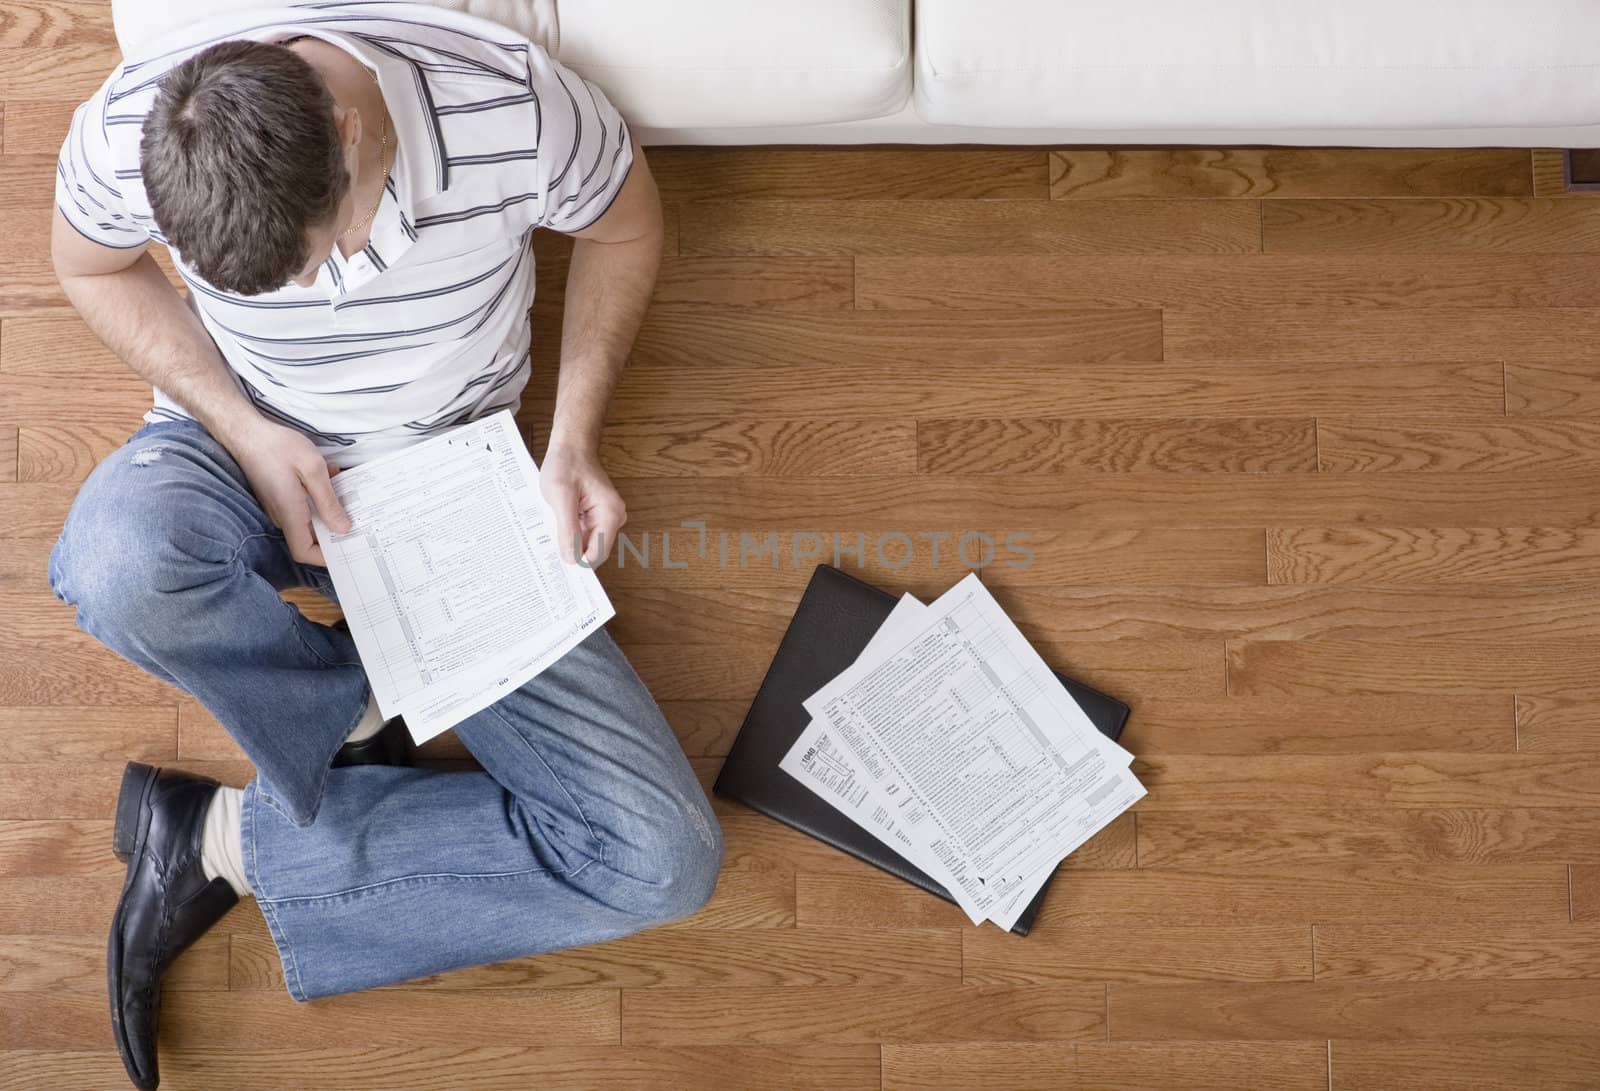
(613, 273)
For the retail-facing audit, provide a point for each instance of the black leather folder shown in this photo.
(836, 618)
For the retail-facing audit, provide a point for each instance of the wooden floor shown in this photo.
(1308, 447)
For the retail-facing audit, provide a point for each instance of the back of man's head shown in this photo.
(240, 156)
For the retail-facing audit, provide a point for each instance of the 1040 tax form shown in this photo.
(451, 577)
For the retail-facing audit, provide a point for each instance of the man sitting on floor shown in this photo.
(348, 193)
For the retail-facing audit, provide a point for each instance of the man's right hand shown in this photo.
(289, 478)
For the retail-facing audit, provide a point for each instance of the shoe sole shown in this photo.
(128, 836)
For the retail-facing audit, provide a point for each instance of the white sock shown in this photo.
(370, 724)
(221, 845)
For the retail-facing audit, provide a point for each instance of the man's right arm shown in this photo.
(126, 300)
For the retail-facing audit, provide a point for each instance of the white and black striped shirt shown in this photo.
(427, 326)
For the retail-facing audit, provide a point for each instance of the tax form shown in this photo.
(951, 735)
(451, 576)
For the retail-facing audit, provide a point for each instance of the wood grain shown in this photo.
(1148, 955)
(1465, 1064)
(802, 284)
(922, 227)
(1544, 389)
(1201, 1066)
(1311, 555)
(834, 174)
(1474, 225)
(712, 447)
(1299, 837)
(1328, 725)
(1048, 604)
(711, 374)
(1558, 723)
(1487, 445)
(1326, 335)
(1035, 445)
(1224, 281)
(1206, 782)
(1442, 953)
(1549, 172)
(1289, 172)
(509, 1066)
(1356, 1010)
(1444, 668)
(846, 1014)
(1585, 892)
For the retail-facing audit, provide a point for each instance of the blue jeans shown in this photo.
(586, 824)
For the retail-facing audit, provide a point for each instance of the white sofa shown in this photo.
(1399, 73)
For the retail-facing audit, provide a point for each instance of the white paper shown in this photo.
(953, 717)
(822, 763)
(451, 577)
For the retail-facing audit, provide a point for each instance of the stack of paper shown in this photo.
(451, 576)
(952, 742)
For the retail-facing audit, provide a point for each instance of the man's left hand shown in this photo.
(589, 510)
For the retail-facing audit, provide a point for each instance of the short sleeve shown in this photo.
(583, 148)
(88, 180)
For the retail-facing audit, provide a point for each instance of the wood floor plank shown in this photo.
(1332, 335)
(918, 227)
(1549, 172)
(834, 174)
(1246, 838)
(745, 342)
(994, 1066)
(58, 847)
(1043, 601)
(848, 1014)
(1070, 501)
(1158, 557)
(1278, 952)
(8, 454)
(672, 958)
(1455, 668)
(1326, 725)
(1570, 387)
(1399, 952)
(1026, 379)
(869, 901)
(707, 447)
(1290, 172)
(39, 790)
(1433, 555)
(63, 733)
(71, 70)
(1486, 446)
(1473, 225)
(802, 284)
(1585, 893)
(1465, 1064)
(1055, 445)
(1314, 893)
(1202, 1066)
(36, 127)
(435, 1063)
(78, 964)
(1558, 723)
(1206, 782)
(1356, 1010)
(1224, 282)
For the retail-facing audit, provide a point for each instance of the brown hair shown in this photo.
(240, 156)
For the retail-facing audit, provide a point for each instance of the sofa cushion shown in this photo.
(708, 63)
(742, 62)
(1258, 64)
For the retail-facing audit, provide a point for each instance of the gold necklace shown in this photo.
(383, 158)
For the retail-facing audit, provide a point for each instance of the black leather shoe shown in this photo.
(167, 902)
(390, 746)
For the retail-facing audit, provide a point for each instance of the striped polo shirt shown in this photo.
(427, 326)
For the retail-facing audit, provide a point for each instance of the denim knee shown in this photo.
(686, 856)
(123, 554)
